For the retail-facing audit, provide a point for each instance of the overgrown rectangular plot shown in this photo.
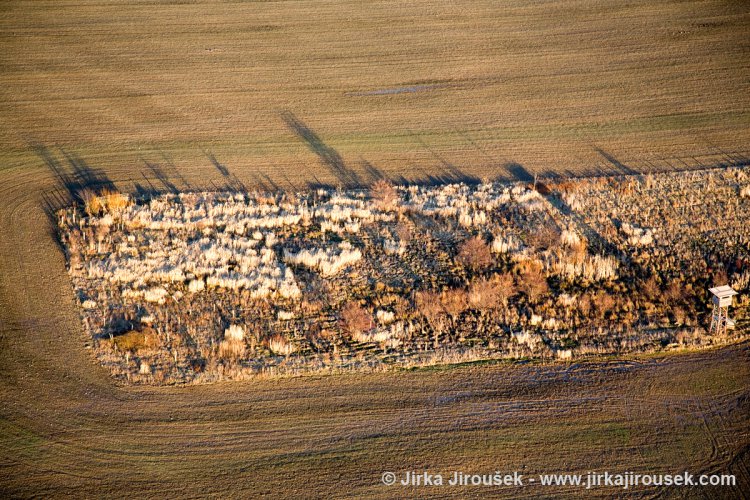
(197, 287)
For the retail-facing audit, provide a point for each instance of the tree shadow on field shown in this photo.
(231, 181)
(518, 172)
(72, 176)
(167, 176)
(620, 167)
(328, 156)
(450, 172)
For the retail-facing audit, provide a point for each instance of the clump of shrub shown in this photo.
(355, 319)
(474, 254)
(136, 340)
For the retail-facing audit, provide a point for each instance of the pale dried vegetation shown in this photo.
(198, 287)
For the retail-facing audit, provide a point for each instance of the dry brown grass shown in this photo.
(231, 349)
(136, 340)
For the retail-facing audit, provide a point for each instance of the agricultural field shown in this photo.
(621, 128)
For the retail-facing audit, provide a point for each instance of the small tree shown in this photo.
(384, 194)
(454, 303)
(489, 294)
(355, 319)
(544, 238)
(475, 254)
(533, 283)
(429, 306)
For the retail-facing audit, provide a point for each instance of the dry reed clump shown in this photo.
(278, 344)
(232, 349)
(328, 262)
(136, 340)
(229, 285)
(234, 332)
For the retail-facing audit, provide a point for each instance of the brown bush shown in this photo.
(585, 305)
(675, 291)
(404, 232)
(650, 289)
(231, 349)
(604, 303)
(137, 340)
(487, 294)
(533, 283)
(384, 193)
(454, 302)
(544, 238)
(355, 319)
(720, 277)
(401, 307)
(429, 306)
(542, 188)
(475, 254)
(567, 186)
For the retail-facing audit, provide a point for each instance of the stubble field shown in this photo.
(278, 94)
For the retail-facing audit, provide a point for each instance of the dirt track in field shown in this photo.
(154, 98)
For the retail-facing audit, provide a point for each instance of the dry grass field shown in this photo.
(198, 94)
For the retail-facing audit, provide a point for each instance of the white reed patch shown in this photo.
(328, 261)
(156, 294)
(385, 317)
(234, 332)
(637, 236)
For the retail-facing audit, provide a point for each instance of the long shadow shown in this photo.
(327, 155)
(518, 172)
(621, 167)
(231, 181)
(373, 173)
(72, 176)
(162, 177)
(167, 174)
(451, 173)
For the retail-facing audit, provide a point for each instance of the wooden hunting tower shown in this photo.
(722, 300)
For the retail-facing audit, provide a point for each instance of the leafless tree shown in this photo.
(384, 194)
(355, 319)
(475, 254)
(429, 306)
(533, 283)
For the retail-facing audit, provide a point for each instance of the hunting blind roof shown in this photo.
(723, 291)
